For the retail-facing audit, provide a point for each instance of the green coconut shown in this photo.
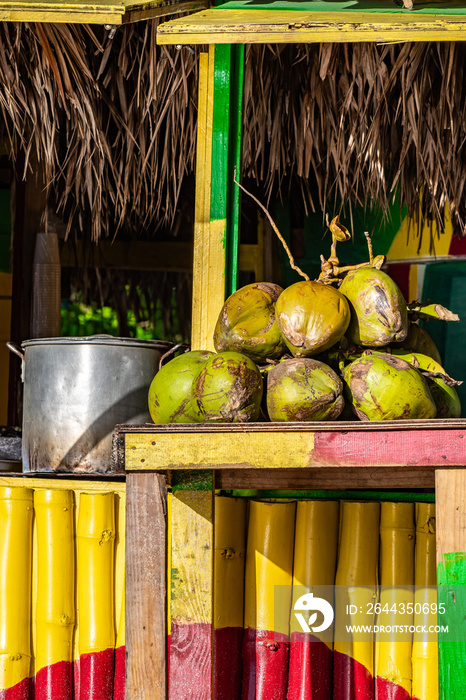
(379, 314)
(312, 317)
(247, 323)
(170, 393)
(303, 389)
(228, 389)
(444, 394)
(385, 387)
(418, 340)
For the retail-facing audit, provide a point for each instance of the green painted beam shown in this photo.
(226, 152)
(451, 581)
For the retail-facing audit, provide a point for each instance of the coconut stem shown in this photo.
(273, 225)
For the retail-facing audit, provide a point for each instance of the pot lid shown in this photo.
(103, 339)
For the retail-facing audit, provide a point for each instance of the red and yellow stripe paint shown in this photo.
(358, 570)
(393, 652)
(315, 553)
(191, 600)
(55, 605)
(269, 563)
(95, 569)
(425, 648)
(229, 563)
(16, 511)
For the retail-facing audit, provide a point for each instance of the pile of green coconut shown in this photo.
(346, 346)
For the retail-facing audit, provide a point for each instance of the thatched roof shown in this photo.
(112, 120)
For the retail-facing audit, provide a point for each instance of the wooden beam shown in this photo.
(110, 12)
(146, 589)
(170, 256)
(191, 585)
(259, 26)
(296, 445)
(450, 489)
(327, 478)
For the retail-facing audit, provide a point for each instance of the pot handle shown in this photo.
(16, 349)
(171, 351)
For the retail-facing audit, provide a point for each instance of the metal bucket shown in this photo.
(75, 391)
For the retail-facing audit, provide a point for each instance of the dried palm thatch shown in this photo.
(365, 123)
(111, 120)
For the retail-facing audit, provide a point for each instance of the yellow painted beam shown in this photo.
(79, 12)
(190, 451)
(221, 26)
(209, 257)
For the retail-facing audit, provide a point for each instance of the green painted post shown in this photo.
(451, 580)
(226, 152)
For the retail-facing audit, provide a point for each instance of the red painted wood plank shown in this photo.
(391, 448)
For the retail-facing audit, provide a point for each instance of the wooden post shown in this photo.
(450, 488)
(146, 589)
(191, 598)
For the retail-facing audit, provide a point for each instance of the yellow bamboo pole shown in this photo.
(425, 647)
(120, 671)
(55, 607)
(269, 567)
(356, 592)
(394, 648)
(229, 563)
(16, 510)
(315, 554)
(95, 565)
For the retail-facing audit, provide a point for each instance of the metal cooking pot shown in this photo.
(75, 391)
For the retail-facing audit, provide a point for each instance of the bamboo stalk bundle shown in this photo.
(393, 650)
(55, 606)
(425, 646)
(16, 510)
(269, 567)
(229, 563)
(315, 552)
(357, 575)
(95, 566)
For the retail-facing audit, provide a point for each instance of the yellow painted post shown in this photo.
(55, 607)
(16, 510)
(95, 565)
(209, 254)
(357, 572)
(393, 650)
(425, 647)
(229, 563)
(191, 581)
(315, 555)
(269, 577)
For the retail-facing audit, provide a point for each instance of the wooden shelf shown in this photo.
(109, 12)
(253, 21)
(325, 455)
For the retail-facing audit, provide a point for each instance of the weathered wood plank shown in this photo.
(225, 26)
(327, 478)
(146, 590)
(191, 598)
(304, 449)
(209, 247)
(103, 12)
